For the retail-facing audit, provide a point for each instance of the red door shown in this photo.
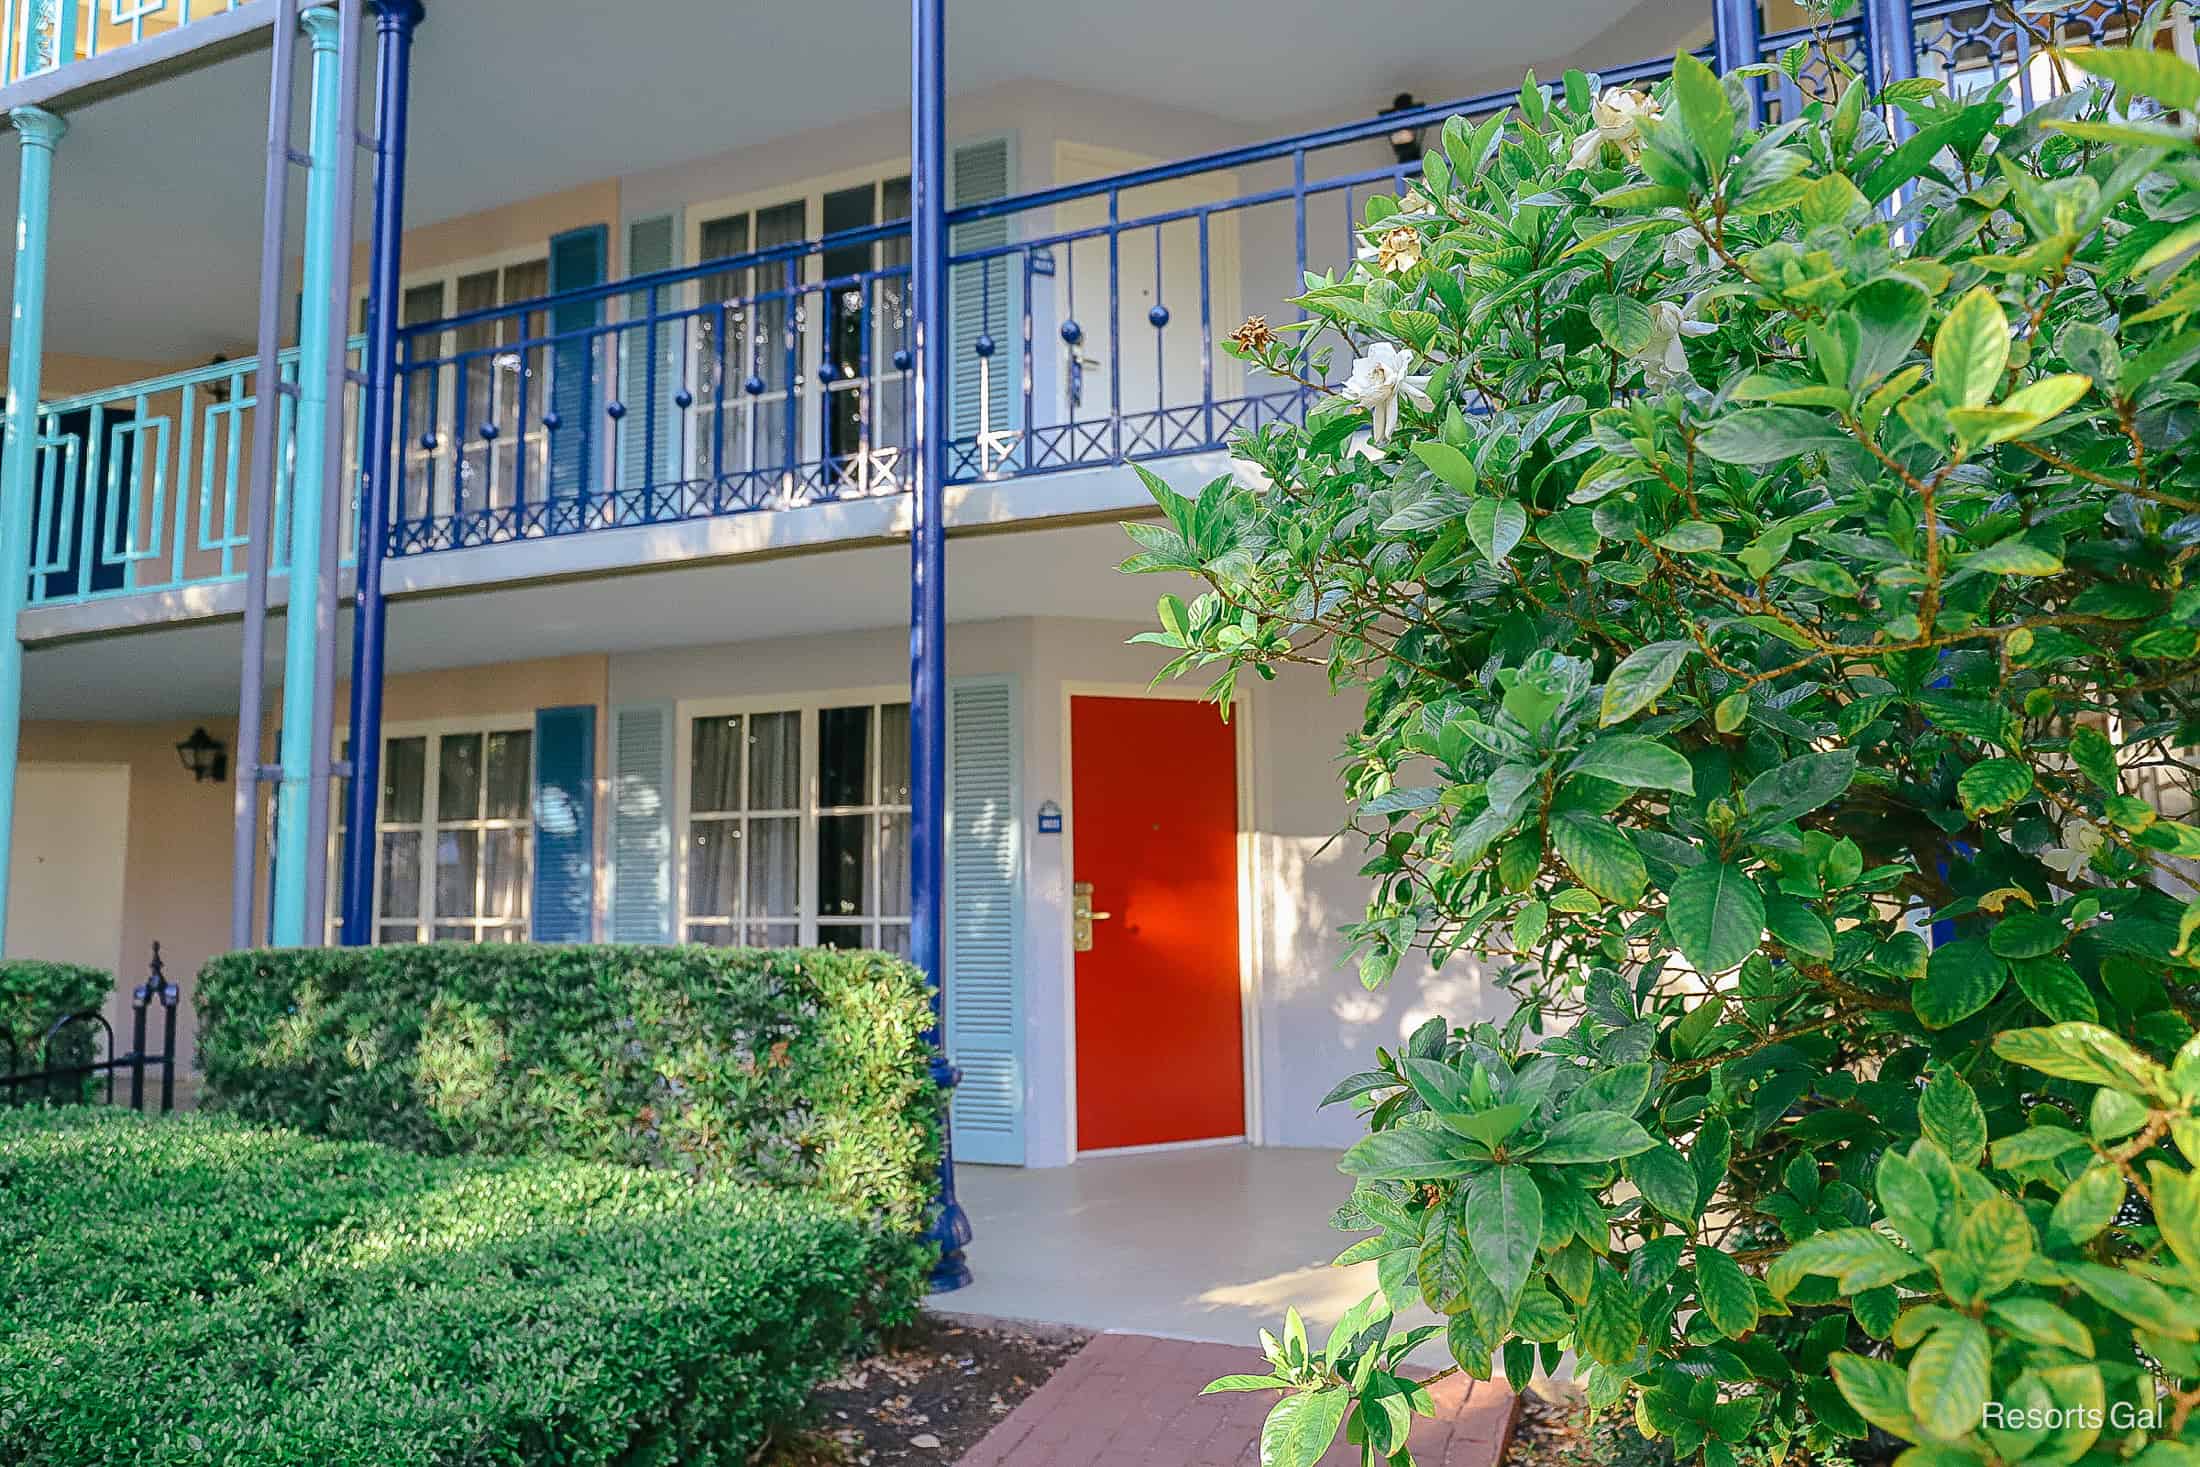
(1160, 1048)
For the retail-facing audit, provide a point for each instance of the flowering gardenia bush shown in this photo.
(1764, 557)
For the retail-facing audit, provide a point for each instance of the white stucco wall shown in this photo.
(1312, 1021)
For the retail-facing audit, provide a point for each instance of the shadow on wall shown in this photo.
(1321, 1023)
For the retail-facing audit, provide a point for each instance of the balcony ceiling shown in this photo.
(156, 224)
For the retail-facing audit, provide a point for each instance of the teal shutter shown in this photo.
(578, 259)
(649, 442)
(985, 1037)
(641, 823)
(978, 302)
(565, 824)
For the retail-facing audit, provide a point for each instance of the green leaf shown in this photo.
(1729, 1299)
(1623, 1088)
(2140, 1300)
(1890, 315)
(1301, 1426)
(2086, 1053)
(1665, 1178)
(1610, 1324)
(1637, 762)
(1692, 537)
(1960, 979)
(1571, 532)
(1590, 1138)
(2087, 1206)
(1794, 789)
(2054, 988)
(1705, 111)
(2162, 75)
(1243, 1383)
(2010, 558)
(1441, 1267)
(1993, 784)
(1600, 856)
(1731, 711)
(2095, 757)
(1410, 1155)
(1715, 916)
(1971, 350)
(1624, 321)
(2026, 935)
(1447, 463)
(1495, 526)
(1858, 1258)
(1640, 678)
(1766, 435)
(1505, 1224)
(1878, 1392)
(1949, 1378)
(1798, 928)
(2041, 1323)
(1949, 1113)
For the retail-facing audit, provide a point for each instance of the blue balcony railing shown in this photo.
(1083, 334)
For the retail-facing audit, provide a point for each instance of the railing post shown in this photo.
(141, 998)
(928, 580)
(1736, 39)
(394, 29)
(37, 132)
(301, 645)
(1890, 42)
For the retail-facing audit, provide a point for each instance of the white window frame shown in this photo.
(435, 731)
(810, 193)
(445, 278)
(808, 707)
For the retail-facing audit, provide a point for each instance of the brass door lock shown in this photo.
(1082, 916)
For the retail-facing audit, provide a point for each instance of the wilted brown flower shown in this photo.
(1254, 336)
(1399, 251)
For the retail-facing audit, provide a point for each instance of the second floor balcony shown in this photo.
(706, 353)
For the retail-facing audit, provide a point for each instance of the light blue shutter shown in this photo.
(577, 260)
(641, 823)
(649, 448)
(978, 302)
(565, 824)
(985, 1036)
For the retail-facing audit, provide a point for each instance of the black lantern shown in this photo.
(1405, 140)
(205, 756)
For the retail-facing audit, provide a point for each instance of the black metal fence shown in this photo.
(62, 1075)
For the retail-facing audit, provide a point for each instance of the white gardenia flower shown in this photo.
(2081, 841)
(1377, 381)
(1249, 475)
(1664, 361)
(1685, 249)
(1617, 116)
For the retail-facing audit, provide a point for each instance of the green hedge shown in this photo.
(802, 1068)
(32, 996)
(190, 1289)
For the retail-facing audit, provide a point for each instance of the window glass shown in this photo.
(456, 850)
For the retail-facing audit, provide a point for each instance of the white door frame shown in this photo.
(1248, 927)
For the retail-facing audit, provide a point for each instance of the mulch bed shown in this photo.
(929, 1395)
(1550, 1433)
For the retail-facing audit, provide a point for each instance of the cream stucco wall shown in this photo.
(1313, 1022)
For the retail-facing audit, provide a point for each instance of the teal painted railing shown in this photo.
(147, 486)
(44, 35)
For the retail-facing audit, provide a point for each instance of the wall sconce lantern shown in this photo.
(205, 756)
(1404, 141)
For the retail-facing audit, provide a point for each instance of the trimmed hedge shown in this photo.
(801, 1068)
(33, 995)
(195, 1290)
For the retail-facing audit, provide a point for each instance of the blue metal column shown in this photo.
(1890, 42)
(37, 131)
(928, 579)
(1735, 36)
(394, 27)
(308, 476)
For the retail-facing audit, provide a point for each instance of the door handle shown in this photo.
(1082, 916)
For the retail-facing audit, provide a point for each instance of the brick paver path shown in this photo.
(1133, 1401)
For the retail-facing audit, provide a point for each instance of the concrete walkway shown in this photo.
(1207, 1244)
(1130, 1400)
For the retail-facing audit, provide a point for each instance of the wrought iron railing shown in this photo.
(71, 1066)
(43, 35)
(147, 487)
